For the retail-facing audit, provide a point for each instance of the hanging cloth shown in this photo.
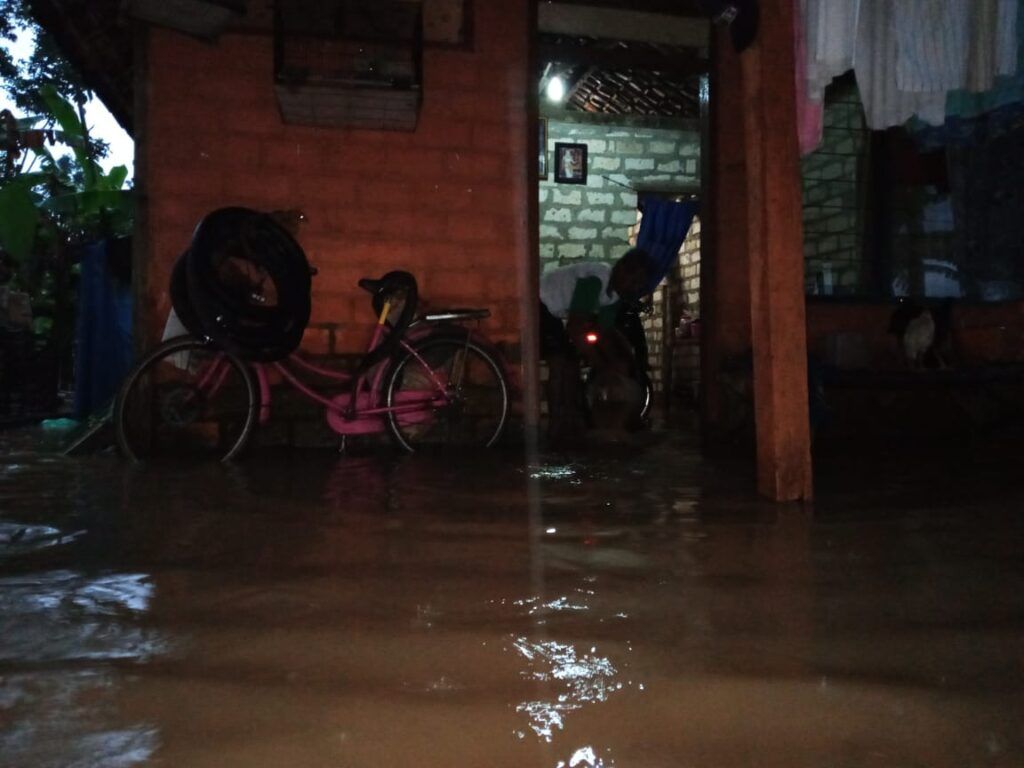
(931, 43)
(945, 45)
(908, 54)
(1007, 91)
(830, 37)
(103, 355)
(994, 43)
(875, 62)
(810, 113)
(979, 117)
(663, 228)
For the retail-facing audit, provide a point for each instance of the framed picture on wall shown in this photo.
(570, 163)
(542, 148)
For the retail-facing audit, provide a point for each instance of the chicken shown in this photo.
(918, 337)
(922, 332)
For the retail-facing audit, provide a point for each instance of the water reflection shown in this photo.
(61, 631)
(61, 718)
(555, 472)
(585, 757)
(19, 539)
(552, 606)
(63, 615)
(579, 679)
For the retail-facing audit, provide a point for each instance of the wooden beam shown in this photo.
(616, 24)
(553, 112)
(679, 66)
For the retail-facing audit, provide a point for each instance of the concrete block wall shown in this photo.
(654, 330)
(685, 345)
(833, 197)
(592, 221)
(687, 273)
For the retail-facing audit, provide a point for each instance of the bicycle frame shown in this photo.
(357, 410)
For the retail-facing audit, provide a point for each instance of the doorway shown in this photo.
(619, 93)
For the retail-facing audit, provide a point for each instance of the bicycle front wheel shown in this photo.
(448, 391)
(187, 399)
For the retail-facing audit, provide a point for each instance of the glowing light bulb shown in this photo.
(556, 89)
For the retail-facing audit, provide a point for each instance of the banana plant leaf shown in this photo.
(30, 180)
(67, 119)
(116, 178)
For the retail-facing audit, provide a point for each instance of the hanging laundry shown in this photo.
(931, 44)
(810, 113)
(994, 44)
(944, 45)
(967, 132)
(907, 56)
(978, 117)
(830, 34)
(875, 64)
(663, 228)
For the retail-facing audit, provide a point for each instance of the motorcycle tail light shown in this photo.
(591, 338)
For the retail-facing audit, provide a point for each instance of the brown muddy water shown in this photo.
(626, 606)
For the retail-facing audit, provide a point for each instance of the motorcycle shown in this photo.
(626, 343)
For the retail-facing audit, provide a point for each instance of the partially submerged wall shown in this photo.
(447, 202)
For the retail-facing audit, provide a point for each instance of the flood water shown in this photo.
(624, 606)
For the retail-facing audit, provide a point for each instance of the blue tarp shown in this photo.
(662, 230)
(103, 352)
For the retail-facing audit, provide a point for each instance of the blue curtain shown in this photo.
(103, 353)
(662, 229)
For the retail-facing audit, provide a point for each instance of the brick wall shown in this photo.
(592, 221)
(447, 202)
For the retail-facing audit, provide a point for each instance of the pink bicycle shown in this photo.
(429, 379)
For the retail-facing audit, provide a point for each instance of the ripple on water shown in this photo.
(581, 679)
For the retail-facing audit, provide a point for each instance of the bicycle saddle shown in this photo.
(384, 289)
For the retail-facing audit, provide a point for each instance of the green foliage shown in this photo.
(49, 204)
(72, 203)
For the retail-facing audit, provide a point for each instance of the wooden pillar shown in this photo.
(775, 247)
(724, 262)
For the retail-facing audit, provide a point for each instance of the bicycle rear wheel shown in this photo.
(187, 399)
(448, 391)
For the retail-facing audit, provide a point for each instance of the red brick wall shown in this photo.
(447, 202)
